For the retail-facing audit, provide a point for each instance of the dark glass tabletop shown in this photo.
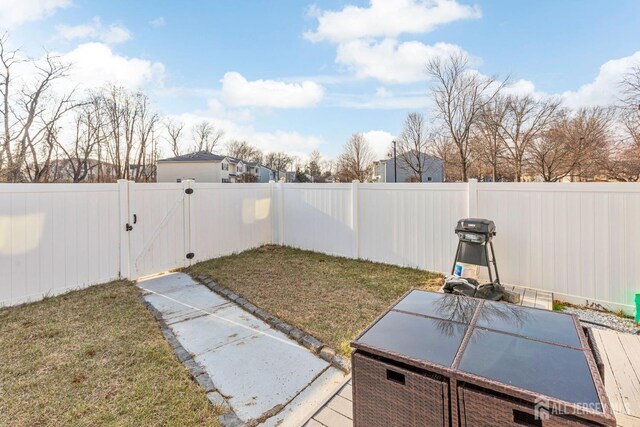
(531, 323)
(442, 306)
(548, 369)
(416, 337)
(505, 344)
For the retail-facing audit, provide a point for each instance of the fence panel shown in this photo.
(411, 224)
(575, 239)
(318, 217)
(230, 218)
(56, 237)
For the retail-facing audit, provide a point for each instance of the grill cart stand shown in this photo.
(474, 242)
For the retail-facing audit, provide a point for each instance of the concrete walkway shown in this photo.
(265, 376)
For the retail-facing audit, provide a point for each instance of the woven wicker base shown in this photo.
(386, 395)
(480, 409)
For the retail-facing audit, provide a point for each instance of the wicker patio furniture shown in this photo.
(444, 360)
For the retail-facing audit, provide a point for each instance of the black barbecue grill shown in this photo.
(474, 244)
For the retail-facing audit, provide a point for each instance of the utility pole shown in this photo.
(395, 163)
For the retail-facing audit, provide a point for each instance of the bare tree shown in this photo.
(525, 119)
(626, 165)
(459, 95)
(278, 160)
(244, 151)
(577, 145)
(413, 147)
(174, 135)
(551, 157)
(316, 167)
(30, 115)
(146, 145)
(486, 142)
(206, 136)
(84, 145)
(630, 86)
(444, 149)
(355, 160)
(131, 145)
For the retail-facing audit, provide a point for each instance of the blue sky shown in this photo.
(296, 76)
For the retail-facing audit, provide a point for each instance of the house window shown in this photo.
(225, 166)
(225, 180)
(428, 179)
(239, 168)
(179, 180)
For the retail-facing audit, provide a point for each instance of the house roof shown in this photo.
(198, 156)
(413, 153)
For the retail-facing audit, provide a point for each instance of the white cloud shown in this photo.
(604, 89)
(158, 22)
(391, 61)
(380, 143)
(520, 88)
(94, 30)
(95, 64)
(384, 18)
(16, 12)
(237, 91)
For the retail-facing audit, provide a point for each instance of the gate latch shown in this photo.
(128, 227)
(189, 190)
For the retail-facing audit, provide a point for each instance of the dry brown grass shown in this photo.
(93, 357)
(329, 297)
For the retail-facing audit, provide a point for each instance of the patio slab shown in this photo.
(263, 373)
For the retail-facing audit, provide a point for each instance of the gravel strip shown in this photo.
(610, 320)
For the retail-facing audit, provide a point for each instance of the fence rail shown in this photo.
(580, 241)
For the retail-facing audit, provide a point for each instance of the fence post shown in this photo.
(125, 234)
(280, 212)
(472, 198)
(355, 214)
(189, 222)
(273, 210)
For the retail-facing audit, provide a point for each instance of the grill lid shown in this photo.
(476, 225)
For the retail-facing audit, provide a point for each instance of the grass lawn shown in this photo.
(93, 357)
(331, 298)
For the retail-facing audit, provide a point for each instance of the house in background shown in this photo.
(203, 166)
(266, 174)
(432, 170)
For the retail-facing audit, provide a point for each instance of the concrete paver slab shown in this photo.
(307, 403)
(262, 372)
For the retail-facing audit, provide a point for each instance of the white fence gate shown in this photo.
(158, 227)
(171, 225)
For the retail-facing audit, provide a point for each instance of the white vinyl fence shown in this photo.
(56, 237)
(580, 241)
(59, 237)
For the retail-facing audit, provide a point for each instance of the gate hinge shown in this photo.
(190, 255)
(128, 227)
(189, 190)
